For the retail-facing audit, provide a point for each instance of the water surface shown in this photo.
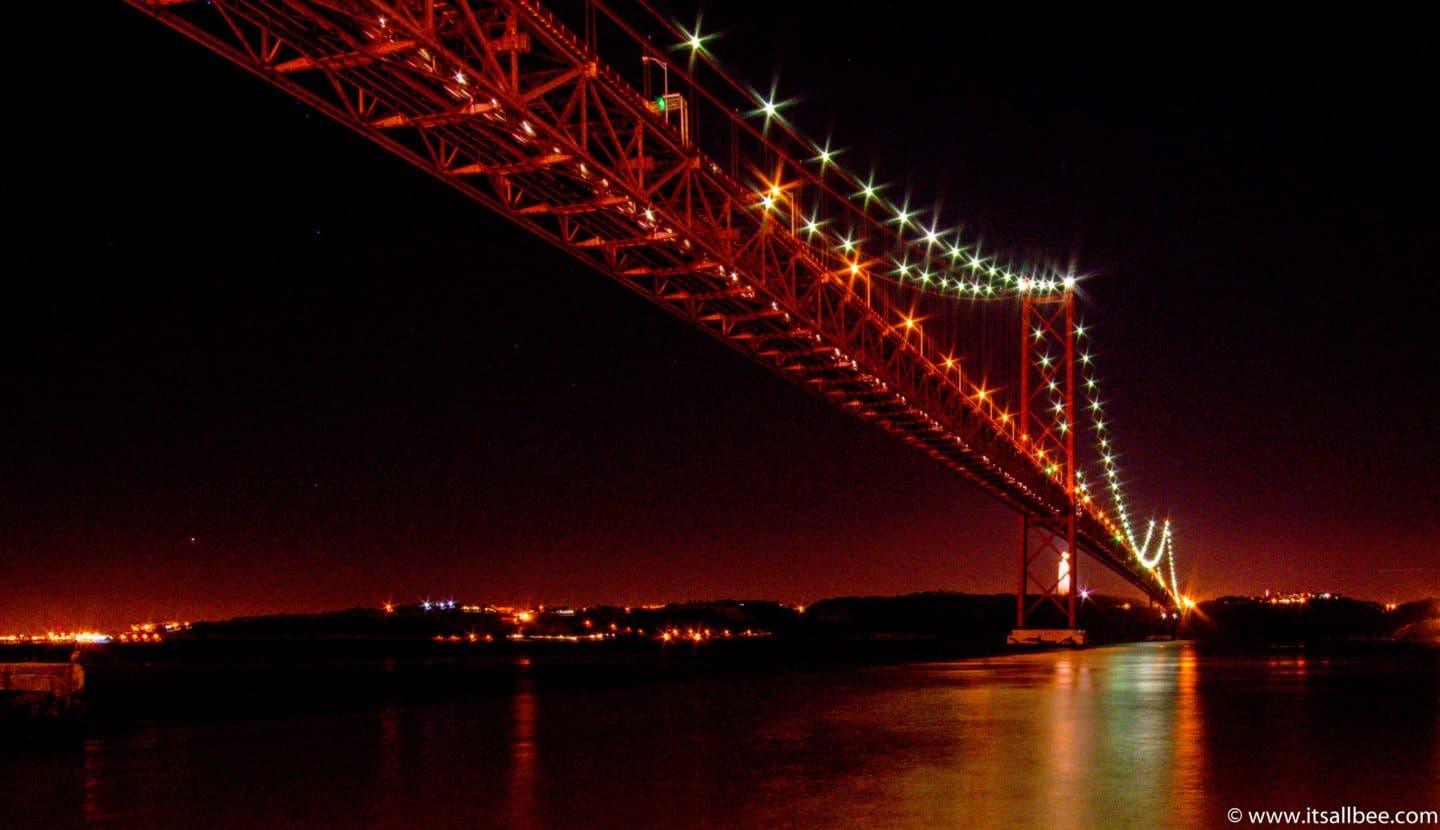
(1145, 735)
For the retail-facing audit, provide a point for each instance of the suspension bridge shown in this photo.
(613, 133)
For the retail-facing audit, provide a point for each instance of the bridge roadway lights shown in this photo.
(1046, 637)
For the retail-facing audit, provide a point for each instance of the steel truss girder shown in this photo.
(502, 102)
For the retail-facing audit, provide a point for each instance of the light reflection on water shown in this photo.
(524, 809)
(1147, 735)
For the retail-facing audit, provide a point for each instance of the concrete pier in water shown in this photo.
(41, 690)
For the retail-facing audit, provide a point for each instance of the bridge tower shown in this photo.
(1047, 428)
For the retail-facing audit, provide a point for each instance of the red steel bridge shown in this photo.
(613, 133)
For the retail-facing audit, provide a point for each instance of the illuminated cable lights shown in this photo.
(770, 107)
(1151, 551)
(903, 216)
(869, 190)
(694, 41)
(988, 279)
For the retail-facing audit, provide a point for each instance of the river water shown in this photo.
(1144, 735)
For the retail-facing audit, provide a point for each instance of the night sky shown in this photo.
(254, 364)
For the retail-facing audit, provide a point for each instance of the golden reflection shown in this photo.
(981, 768)
(1187, 766)
(523, 750)
(1064, 763)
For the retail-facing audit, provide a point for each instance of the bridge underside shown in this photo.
(504, 103)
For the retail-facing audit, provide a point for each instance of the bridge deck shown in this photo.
(503, 102)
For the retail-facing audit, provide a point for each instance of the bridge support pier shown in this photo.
(1048, 561)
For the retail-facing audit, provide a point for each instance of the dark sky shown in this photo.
(230, 321)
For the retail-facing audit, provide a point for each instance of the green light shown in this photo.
(659, 103)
